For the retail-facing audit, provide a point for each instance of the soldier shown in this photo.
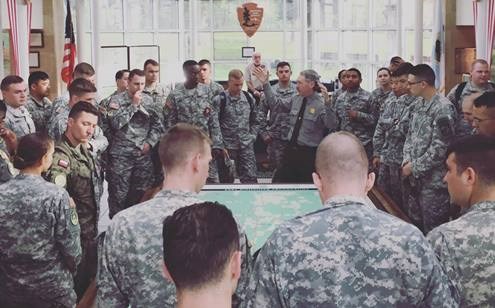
(190, 102)
(380, 94)
(122, 81)
(347, 254)
(309, 121)
(8, 145)
(239, 121)
(17, 117)
(60, 104)
(79, 90)
(254, 85)
(135, 127)
(395, 62)
(430, 131)
(39, 233)
(342, 76)
(38, 104)
(355, 112)
(202, 255)
(152, 87)
(130, 273)
(466, 246)
(484, 114)
(205, 77)
(75, 170)
(390, 135)
(467, 112)
(479, 81)
(275, 130)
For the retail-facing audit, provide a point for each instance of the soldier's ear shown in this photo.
(370, 181)
(166, 273)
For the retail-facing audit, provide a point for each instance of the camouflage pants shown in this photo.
(275, 152)
(245, 164)
(128, 178)
(427, 200)
(86, 270)
(26, 301)
(157, 166)
(390, 181)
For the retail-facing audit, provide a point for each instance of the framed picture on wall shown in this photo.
(34, 59)
(36, 38)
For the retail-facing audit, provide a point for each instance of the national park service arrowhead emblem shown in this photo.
(250, 17)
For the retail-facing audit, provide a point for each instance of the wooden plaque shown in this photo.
(464, 57)
(250, 17)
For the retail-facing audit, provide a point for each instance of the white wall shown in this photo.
(37, 17)
(464, 13)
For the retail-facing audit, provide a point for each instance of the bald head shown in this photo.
(341, 156)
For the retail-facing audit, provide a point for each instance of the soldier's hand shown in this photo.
(218, 153)
(9, 138)
(261, 74)
(136, 98)
(146, 149)
(407, 169)
(256, 93)
(353, 114)
(324, 92)
(375, 162)
(267, 139)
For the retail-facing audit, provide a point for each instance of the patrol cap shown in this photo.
(311, 75)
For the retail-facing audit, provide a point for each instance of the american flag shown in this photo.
(69, 48)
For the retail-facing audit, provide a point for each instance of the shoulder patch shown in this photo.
(63, 163)
(445, 127)
(73, 217)
(60, 180)
(207, 111)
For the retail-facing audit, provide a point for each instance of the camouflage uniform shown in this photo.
(7, 170)
(336, 94)
(40, 112)
(19, 121)
(158, 92)
(348, 254)
(277, 127)
(462, 127)
(128, 169)
(388, 142)
(318, 118)
(377, 99)
(431, 129)
(239, 126)
(74, 169)
(466, 248)
(365, 122)
(131, 262)
(215, 87)
(194, 106)
(39, 244)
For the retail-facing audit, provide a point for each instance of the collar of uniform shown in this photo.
(31, 176)
(483, 205)
(17, 112)
(165, 193)
(37, 102)
(337, 201)
(485, 87)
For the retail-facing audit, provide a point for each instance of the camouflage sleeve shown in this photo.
(110, 279)
(246, 268)
(59, 170)
(331, 121)
(443, 132)
(123, 116)
(214, 129)
(263, 290)
(263, 112)
(67, 231)
(255, 118)
(170, 116)
(156, 128)
(55, 127)
(368, 118)
(451, 95)
(379, 135)
(406, 151)
(98, 142)
(274, 103)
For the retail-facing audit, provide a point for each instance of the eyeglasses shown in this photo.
(478, 120)
(411, 83)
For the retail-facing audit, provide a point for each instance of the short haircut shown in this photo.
(204, 61)
(282, 64)
(424, 72)
(81, 107)
(120, 74)
(341, 154)
(150, 62)
(353, 69)
(188, 63)
(81, 86)
(403, 69)
(383, 69)
(31, 149)
(36, 76)
(477, 152)
(479, 61)
(486, 99)
(198, 243)
(396, 60)
(83, 69)
(136, 72)
(235, 74)
(178, 142)
(341, 72)
(310, 75)
(8, 80)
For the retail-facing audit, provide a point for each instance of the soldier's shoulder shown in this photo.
(443, 105)
(363, 93)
